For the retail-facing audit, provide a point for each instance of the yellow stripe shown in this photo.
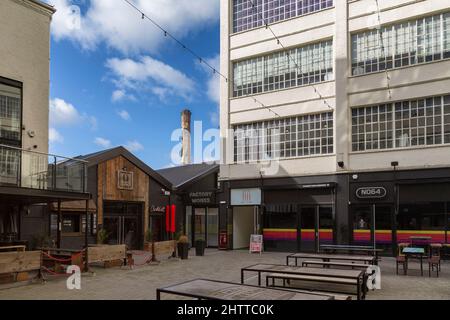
(420, 232)
(280, 230)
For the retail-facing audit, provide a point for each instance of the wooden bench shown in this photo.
(12, 248)
(19, 264)
(334, 264)
(108, 255)
(360, 292)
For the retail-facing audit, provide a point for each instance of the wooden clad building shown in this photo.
(124, 191)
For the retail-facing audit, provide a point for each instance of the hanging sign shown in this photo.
(256, 243)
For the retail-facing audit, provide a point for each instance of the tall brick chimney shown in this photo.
(186, 127)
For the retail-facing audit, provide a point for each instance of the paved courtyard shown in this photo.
(141, 282)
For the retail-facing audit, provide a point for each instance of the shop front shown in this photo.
(299, 219)
(124, 190)
(372, 215)
(202, 217)
(195, 195)
(408, 207)
(245, 216)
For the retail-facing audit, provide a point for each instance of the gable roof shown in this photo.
(184, 176)
(95, 158)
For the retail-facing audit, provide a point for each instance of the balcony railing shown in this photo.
(36, 170)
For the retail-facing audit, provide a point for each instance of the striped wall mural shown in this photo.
(381, 236)
(436, 236)
(326, 235)
(280, 234)
(385, 236)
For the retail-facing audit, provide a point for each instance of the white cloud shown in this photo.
(118, 95)
(101, 142)
(63, 113)
(124, 115)
(134, 146)
(213, 84)
(136, 75)
(54, 136)
(121, 27)
(122, 95)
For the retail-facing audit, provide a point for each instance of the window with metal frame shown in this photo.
(249, 14)
(399, 45)
(411, 123)
(284, 69)
(300, 136)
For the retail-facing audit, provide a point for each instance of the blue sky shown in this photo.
(116, 80)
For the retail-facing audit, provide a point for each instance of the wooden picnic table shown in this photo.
(331, 257)
(322, 275)
(204, 289)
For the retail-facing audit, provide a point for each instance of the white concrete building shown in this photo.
(355, 94)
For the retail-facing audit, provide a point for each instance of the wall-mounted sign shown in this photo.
(245, 197)
(157, 209)
(371, 193)
(125, 180)
(201, 197)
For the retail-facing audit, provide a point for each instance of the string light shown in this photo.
(388, 78)
(287, 52)
(193, 53)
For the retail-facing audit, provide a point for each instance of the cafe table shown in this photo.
(412, 252)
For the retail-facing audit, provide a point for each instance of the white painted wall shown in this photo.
(344, 93)
(25, 57)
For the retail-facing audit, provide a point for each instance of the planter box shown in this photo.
(161, 247)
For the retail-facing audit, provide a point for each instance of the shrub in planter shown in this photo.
(102, 236)
(183, 247)
(200, 246)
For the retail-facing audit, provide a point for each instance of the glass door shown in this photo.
(130, 234)
(373, 225)
(199, 224)
(362, 226)
(308, 229)
(383, 229)
(325, 225)
(112, 227)
(213, 227)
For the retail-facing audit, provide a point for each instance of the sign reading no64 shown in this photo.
(371, 193)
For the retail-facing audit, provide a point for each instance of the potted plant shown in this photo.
(183, 247)
(200, 245)
(102, 236)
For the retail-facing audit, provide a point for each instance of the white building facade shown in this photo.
(348, 103)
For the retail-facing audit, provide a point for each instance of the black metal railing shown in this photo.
(37, 170)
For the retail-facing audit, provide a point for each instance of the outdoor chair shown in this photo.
(434, 260)
(401, 258)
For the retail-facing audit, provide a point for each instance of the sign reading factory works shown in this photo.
(371, 193)
(202, 197)
(124, 180)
